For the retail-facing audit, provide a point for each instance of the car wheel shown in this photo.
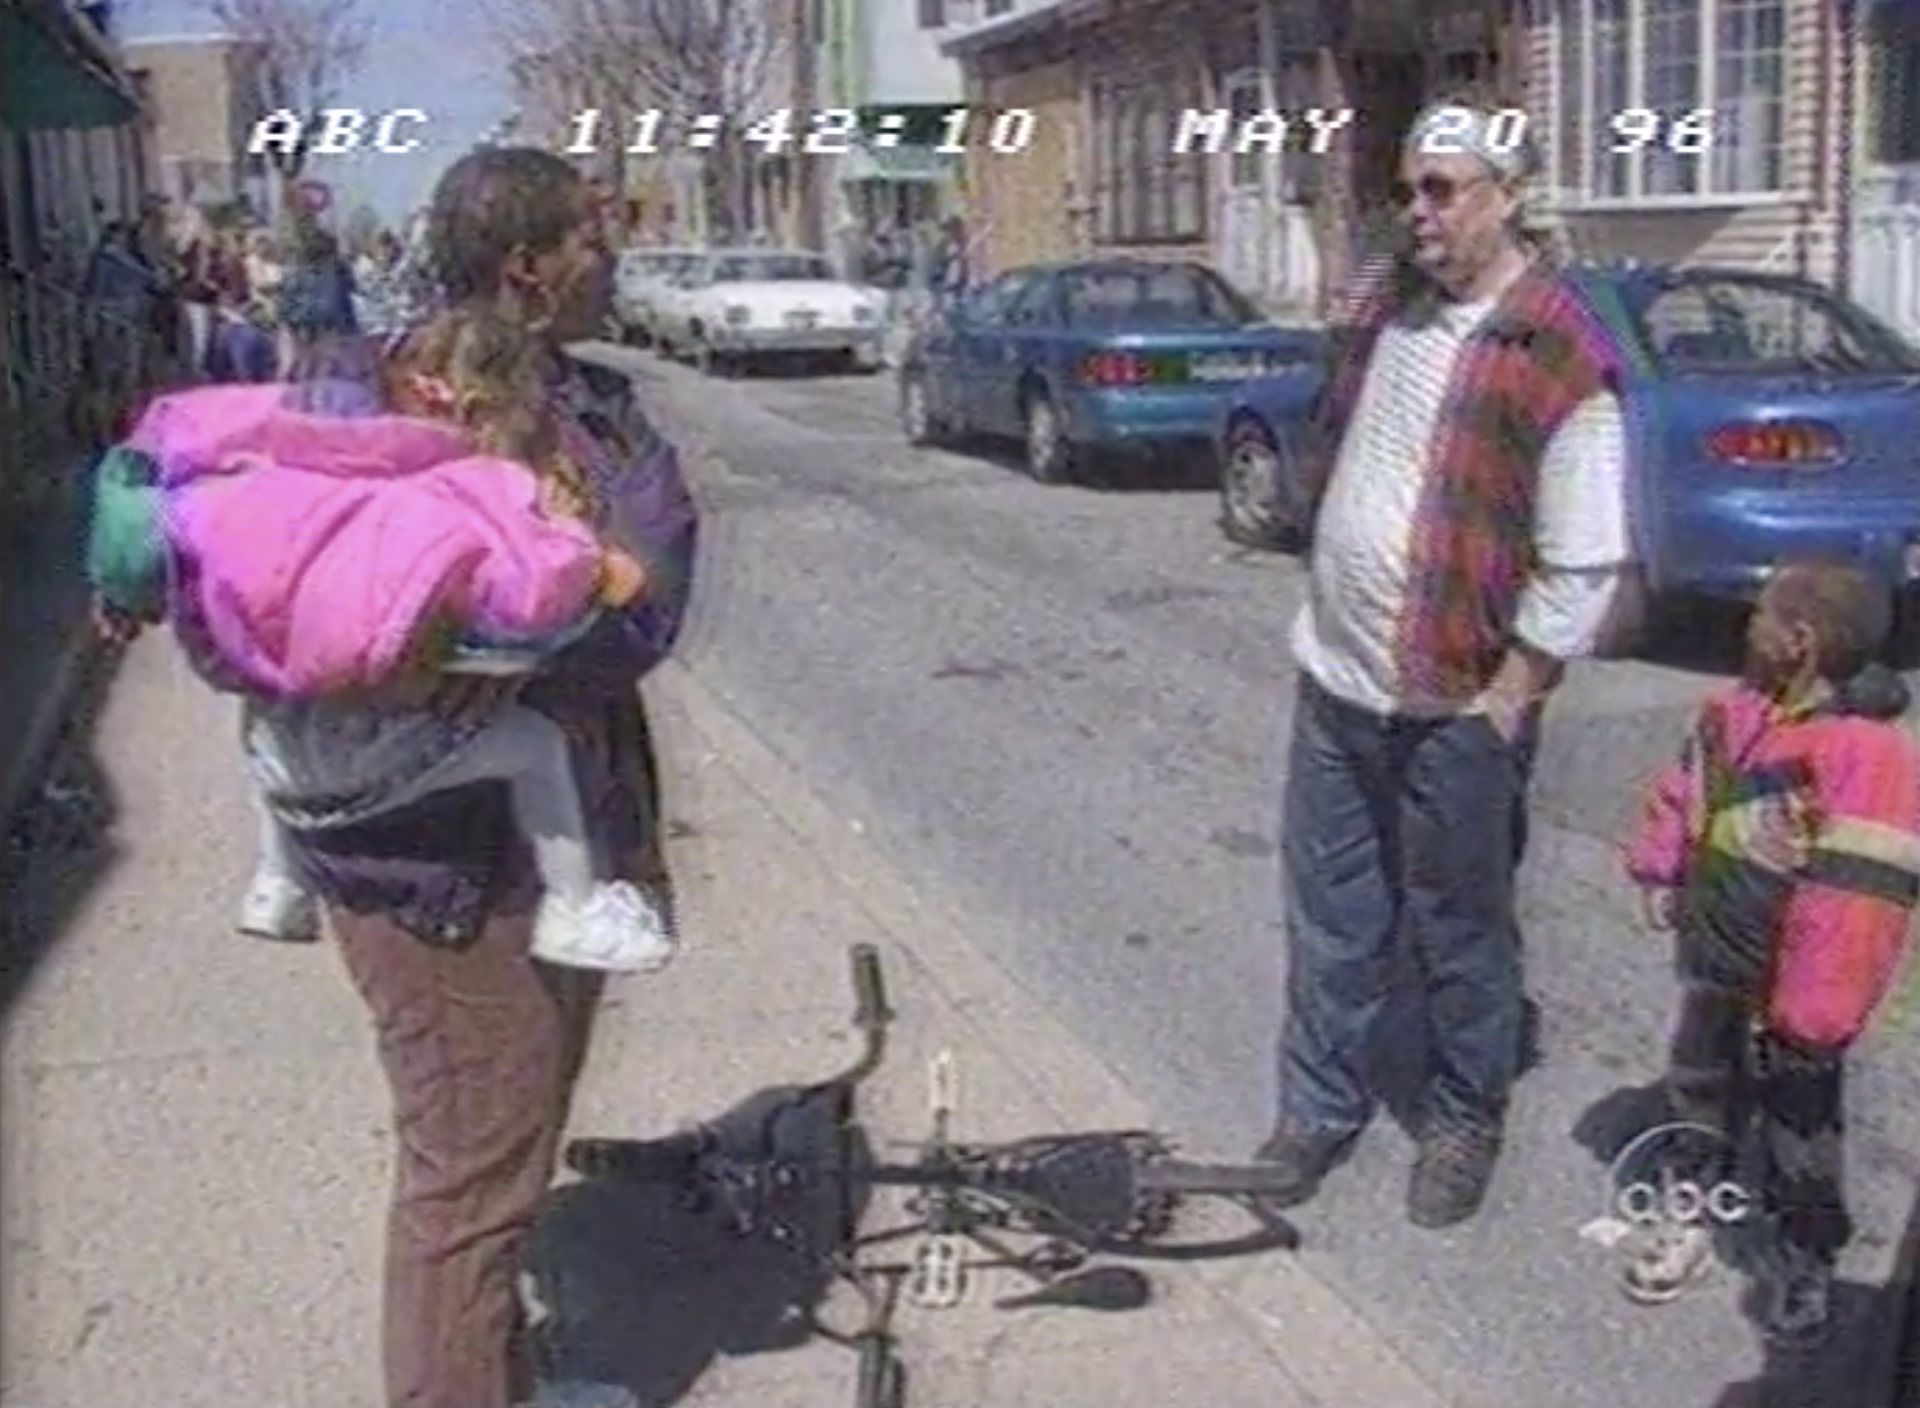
(1259, 489)
(1049, 453)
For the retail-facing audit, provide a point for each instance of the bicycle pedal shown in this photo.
(938, 1279)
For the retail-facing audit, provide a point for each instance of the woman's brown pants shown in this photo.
(482, 1048)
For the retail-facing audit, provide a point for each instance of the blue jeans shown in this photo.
(1398, 829)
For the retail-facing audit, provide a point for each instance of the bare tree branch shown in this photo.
(686, 57)
(305, 49)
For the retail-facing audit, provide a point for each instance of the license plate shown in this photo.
(1225, 367)
(803, 318)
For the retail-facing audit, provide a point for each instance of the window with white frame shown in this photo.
(1894, 139)
(933, 14)
(1671, 101)
(1145, 192)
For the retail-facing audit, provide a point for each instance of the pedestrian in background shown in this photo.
(1470, 537)
(197, 258)
(1783, 851)
(316, 297)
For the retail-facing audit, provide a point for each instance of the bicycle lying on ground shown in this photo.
(1072, 1198)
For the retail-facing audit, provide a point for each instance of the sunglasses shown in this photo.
(1440, 192)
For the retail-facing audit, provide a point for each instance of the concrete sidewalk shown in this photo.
(195, 1147)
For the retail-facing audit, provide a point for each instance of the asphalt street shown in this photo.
(1066, 707)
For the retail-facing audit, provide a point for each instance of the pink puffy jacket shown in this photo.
(318, 547)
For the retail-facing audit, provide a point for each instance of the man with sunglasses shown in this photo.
(1470, 538)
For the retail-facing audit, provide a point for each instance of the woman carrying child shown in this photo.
(434, 892)
(1783, 851)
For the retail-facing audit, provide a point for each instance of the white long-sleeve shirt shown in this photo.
(1346, 635)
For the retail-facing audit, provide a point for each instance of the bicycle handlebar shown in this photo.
(870, 1011)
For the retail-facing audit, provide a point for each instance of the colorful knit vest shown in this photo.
(1523, 372)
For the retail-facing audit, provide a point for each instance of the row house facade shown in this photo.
(204, 95)
(1795, 94)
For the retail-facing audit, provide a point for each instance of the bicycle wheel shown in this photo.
(1169, 1186)
(672, 1162)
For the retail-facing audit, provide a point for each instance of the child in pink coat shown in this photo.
(324, 558)
(1783, 850)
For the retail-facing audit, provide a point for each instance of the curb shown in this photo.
(1318, 1340)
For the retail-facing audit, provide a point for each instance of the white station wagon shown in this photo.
(735, 306)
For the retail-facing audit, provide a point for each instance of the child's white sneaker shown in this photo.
(280, 909)
(618, 930)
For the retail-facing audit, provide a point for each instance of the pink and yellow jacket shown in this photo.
(1792, 841)
(317, 548)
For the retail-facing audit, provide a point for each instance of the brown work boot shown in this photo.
(1451, 1176)
(1301, 1159)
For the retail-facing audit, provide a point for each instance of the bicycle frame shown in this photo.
(1127, 1184)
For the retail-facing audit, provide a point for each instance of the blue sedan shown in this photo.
(1769, 418)
(1073, 360)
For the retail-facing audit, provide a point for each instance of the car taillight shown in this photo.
(1776, 444)
(1117, 369)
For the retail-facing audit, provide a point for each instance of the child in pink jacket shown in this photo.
(1783, 849)
(326, 557)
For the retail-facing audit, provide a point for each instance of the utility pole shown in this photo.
(806, 41)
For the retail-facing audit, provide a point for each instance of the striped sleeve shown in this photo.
(1846, 925)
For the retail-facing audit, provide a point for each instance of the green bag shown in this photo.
(126, 543)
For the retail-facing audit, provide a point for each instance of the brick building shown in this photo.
(1789, 90)
(1106, 83)
(205, 97)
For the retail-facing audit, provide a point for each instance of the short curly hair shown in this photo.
(493, 205)
(1849, 613)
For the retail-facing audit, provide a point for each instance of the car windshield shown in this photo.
(1175, 296)
(770, 268)
(1727, 325)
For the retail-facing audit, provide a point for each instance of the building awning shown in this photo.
(904, 165)
(1028, 19)
(54, 73)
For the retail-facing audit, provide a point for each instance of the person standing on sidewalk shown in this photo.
(198, 286)
(1471, 536)
(432, 905)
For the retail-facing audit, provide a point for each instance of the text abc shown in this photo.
(338, 131)
(1683, 1202)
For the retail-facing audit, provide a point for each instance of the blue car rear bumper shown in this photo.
(1145, 418)
(1728, 546)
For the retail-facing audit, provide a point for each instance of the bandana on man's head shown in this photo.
(1453, 130)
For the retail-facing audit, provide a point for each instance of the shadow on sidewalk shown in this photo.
(635, 1287)
(61, 843)
(1838, 1373)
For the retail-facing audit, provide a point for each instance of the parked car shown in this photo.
(1767, 417)
(733, 307)
(639, 277)
(1074, 360)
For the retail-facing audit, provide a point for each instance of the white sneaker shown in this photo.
(618, 930)
(279, 909)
